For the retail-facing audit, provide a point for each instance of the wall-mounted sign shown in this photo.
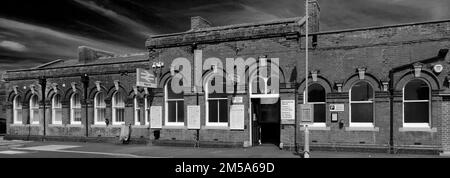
(306, 114)
(237, 117)
(193, 116)
(336, 107)
(287, 109)
(155, 117)
(145, 78)
(334, 117)
(237, 99)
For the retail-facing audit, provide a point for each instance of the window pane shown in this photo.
(101, 114)
(362, 112)
(417, 90)
(180, 115)
(220, 94)
(138, 115)
(35, 115)
(316, 93)
(416, 112)
(362, 91)
(171, 94)
(223, 107)
(120, 115)
(319, 112)
(172, 111)
(212, 111)
(77, 115)
(58, 114)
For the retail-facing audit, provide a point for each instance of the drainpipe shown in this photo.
(391, 111)
(85, 81)
(43, 83)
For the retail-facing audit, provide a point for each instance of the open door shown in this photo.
(266, 121)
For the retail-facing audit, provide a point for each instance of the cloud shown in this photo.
(129, 23)
(14, 46)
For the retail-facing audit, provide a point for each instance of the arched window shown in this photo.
(75, 109)
(147, 110)
(56, 109)
(118, 109)
(34, 110)
(174, 104)
(416, 104)
(316, 97)
(99, 109)
(137, 112)
(17, 115)
(216, 106)
(361, 105)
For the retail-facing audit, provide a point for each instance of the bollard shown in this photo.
(306, 149)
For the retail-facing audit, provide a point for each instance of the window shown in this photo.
(216, 107)
(118, 109)
(361, 105)
(75, 109)
(17, 115)
(174, 106)
(34, 110)
(56, 109)
(416, 104)
(316, 97)
(147, 110)
(100, 109)
(137, 112)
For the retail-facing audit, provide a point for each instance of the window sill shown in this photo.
(55, 125)
(17, 124)
(208, 127)
(370, 129)
(140, 126)
(106, 126)
(173, 127)
(75, 125)
(316, 128)
(417, 129)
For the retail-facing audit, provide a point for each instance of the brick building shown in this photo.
(372, 88)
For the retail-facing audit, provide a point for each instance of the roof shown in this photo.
(60, 63)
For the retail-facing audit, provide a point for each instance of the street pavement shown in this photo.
(50, 149)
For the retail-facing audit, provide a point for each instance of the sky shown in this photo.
(35, 32)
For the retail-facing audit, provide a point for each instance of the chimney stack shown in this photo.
(87, 54)
(198, 22)
(314, 15)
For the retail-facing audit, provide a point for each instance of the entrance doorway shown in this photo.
(265, 120)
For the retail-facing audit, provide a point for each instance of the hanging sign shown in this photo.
(155, 117)
(193, 113)
(237, 117)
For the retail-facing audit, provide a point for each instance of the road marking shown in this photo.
(10, 152)
(50, 147)
(59, 148)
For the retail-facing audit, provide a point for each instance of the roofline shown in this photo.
(234, 26)
(380, 27)
(81, 65)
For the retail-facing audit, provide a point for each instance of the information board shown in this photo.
(288, 109)
(193, 113)
(306, 114)
(155, 117)
(145, 78)
(237, 117)
(336, 107)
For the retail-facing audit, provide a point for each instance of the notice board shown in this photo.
(155, 117)
(193, 116)
(237, 117)
(287, 109)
